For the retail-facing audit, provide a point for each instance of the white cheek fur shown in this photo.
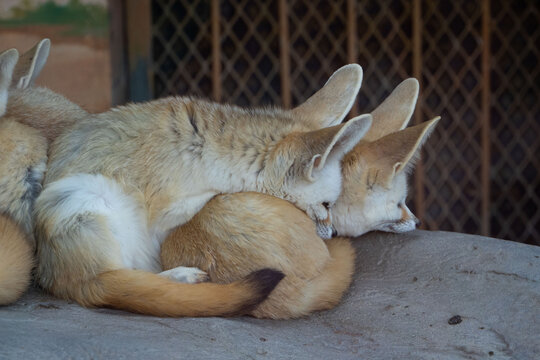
(326, 188)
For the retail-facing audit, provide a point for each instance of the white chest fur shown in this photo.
(124, 217)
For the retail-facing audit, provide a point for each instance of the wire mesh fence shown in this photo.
(477, 62)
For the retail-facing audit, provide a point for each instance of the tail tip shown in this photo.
(262, 282)
(266, 280)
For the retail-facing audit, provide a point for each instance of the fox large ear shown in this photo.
(31, 64)
(331, 144)
(8, 60)
(397, 152)
(395, 111)
(332, 103)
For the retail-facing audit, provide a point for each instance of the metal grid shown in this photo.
(480, 170)
(451, 85)
(515, 120)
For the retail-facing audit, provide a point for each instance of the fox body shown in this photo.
(16, 260)
(235, 233)
(23, 155)
(118, 182)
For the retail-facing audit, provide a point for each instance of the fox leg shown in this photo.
(188, 275)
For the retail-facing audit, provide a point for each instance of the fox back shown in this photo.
(117, 182)
(235, 233)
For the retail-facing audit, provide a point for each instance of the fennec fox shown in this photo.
(236, 233)
(375, 171)
(23, 153)
(118, 182)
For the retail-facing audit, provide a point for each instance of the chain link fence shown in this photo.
(477, 62)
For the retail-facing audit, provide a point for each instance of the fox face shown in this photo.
(375, 171)
(309, 165)
(375, 183)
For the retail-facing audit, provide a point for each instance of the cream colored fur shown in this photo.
(235, 233)
(39, 107)
(23, 154)
(375, 184)
(146, 168)
(16, 261)
(375, 171)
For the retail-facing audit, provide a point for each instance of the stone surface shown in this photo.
(406, 289)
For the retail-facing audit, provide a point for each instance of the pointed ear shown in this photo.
(331, 144)
(332, 103)
(31, 64)
(395, 111)
(8, 60)
(398, 152)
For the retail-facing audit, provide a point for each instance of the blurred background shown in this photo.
(477, 63)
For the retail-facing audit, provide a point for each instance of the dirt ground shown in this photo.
(78, 67)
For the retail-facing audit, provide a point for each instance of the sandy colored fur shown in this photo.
(23, 155)
(147, 293)
(16, 261)
(44, 110)
(164, 160)
(92, 279)
(237, 233)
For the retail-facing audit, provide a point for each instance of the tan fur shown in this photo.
(22, 162)
(154, 295)
(375, 183)
(38, 107)
(16, 261)
(23, 155)
(43, 109)
(395, 112)
(158, 163)
(332, 103)
(236, 234)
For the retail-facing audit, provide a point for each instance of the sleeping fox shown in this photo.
(236, 233)
(118, 182)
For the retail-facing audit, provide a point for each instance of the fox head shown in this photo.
(375, 171)
(305, 166)
(307, 171)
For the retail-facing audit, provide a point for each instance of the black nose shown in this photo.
(418, 223)
(334, 232)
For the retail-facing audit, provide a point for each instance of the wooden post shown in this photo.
(352, 42)
(216, 51)
(117, 46)
(139, 38)
(486, 90)
(419, 199)
(284, 56)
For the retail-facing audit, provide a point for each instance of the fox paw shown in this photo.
(188, 275)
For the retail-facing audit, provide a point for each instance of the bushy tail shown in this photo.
(151, 294)
(16, 261)
(298, 297)
(336, 277)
